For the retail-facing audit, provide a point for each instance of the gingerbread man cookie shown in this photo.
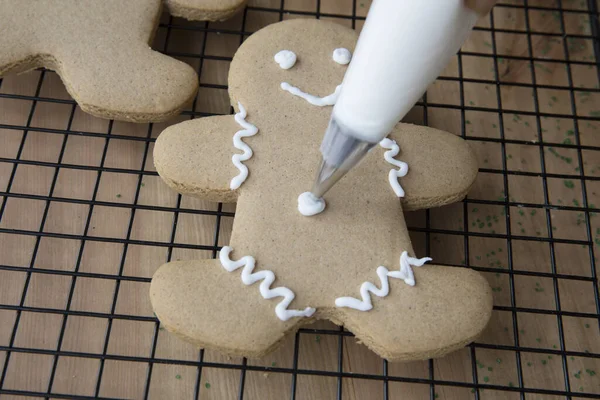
(351, 263)
(101, 51)
(205, 10)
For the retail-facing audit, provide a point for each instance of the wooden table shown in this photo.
(85, 221)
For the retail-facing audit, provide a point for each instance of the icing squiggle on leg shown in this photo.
(268, 277)
(249, 130)
(405, 273)
(394, 174)
(314, 100)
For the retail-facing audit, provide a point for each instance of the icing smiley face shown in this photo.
(314, 72)
(351, 263)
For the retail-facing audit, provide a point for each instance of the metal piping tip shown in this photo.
(340, 152)
(327, 176)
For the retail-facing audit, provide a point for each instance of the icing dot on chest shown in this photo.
(286, 59)
(309, 204)
(342, 56)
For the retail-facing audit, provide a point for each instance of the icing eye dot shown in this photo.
(285, 58)
(342, 56)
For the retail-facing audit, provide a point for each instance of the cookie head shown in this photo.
(301, 56)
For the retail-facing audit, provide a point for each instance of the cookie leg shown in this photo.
(447, 309)
(206, 305)
(443, 176)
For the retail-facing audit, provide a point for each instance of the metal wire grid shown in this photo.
(384, 378)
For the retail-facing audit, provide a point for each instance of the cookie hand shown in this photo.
(179, 158)
(444, 176)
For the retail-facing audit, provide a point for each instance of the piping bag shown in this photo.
(403, 47)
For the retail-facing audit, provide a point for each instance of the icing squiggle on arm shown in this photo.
(405, 273)
(314, 100)
(268, 277)
(394, 174)
(249, 130)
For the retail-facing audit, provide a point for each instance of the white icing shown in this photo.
(394, 174)
(267, 277)
(328, 100)
(285, 58)
(405, 273)
(309, 204)
(342, 56)
(249, 130)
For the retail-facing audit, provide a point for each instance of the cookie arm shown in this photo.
(131, 83)
(195, 158)
(441, 166)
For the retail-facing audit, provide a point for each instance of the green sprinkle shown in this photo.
(499, 249)
(549, 357)
(499, 360)
(521, 212)
(118, 195)
(490, 369)
(532, 213)
(529, 364)
(569, 184)
(570, 132)
(177, 376)
(577, 375)
(554, 99)
(486, 43)
(318, 339)
(471, 103)
(587, 325)
(481, 225)
(273, 364)
(567, 141)
(475, 209)
(595, 113)
(539, 340)
(486, 379)
(467, 122)
(142, 184)
(590, 372)
(478, 257)
(554, 346)
(522, 331)
(494, 126)
(207, 385)
(544, 362)
(436, 396)
(472, 390)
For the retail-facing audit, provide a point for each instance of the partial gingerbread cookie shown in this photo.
(351, 263)
(205, 10)
(101, 51)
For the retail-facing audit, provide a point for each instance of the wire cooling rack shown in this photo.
(84, 221)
